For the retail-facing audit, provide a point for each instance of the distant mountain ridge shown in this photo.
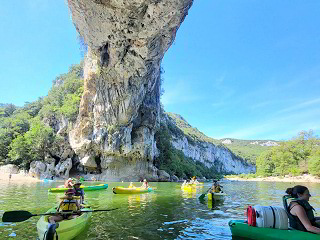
(249, 150)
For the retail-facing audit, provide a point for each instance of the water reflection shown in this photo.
(167, 213)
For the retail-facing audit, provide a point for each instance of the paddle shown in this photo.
(21, 215)
(204, 194)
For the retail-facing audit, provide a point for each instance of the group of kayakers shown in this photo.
(145, 184)
(300, 212)
(193, 180)
(215, 188)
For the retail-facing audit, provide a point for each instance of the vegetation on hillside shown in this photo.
(241, 148)
(297, 156)
(24, 137)
(174, 162)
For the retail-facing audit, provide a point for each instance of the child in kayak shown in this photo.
(78, 191)
(301, 212)
(131, 185)
(193, 180)
(216, 187)
(68, 204)
(145, 184)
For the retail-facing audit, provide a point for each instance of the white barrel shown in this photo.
(271, 217)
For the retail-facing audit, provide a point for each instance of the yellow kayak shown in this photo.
(122, 190)
(67, 229)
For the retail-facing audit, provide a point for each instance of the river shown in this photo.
(167, 213)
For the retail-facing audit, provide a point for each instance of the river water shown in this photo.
(167, 213)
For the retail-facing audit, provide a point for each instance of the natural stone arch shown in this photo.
(120, 107)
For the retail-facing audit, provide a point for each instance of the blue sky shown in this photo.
(240, 69)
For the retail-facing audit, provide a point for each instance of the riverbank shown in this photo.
(303, 178)
(18, 178)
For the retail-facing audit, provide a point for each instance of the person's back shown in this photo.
(78, 191)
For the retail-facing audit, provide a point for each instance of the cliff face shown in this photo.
(210, 154)
(119, 110)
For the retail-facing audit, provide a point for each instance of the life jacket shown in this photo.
(294, 221)
(251, 216)
(217, 189)
(79, 192)
(69, 205)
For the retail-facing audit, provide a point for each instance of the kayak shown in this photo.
(216, 196)
(67, 229)
(239, 228)
(85, 188)
(122, 190)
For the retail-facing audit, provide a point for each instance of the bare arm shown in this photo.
(299, 211)
(59, 206)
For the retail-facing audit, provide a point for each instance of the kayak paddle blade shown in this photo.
(202, 196)
(16, 216)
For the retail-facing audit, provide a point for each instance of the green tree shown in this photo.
(33, 145)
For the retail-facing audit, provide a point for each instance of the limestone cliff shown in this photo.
(119, 111)
(203, 149)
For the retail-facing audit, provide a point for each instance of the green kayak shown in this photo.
(85, 188)
(239, 228)
(68, 229)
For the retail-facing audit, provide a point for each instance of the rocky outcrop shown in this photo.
(120, 106)
(47, 170)
(212, 155)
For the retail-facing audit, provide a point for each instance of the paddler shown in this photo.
(79, 191)
(67, 205)
(216, 187)
(68, 183)
(131, 185)
(301, 212)
(145, 184)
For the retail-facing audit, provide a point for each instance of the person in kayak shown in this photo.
(301, 212)
(216, 187)
(185, 183)
(78, 191)
(68, 204)
(68, 183)
(145, 184)
(131, 185)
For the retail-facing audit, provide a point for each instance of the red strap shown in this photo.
(251, 216)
